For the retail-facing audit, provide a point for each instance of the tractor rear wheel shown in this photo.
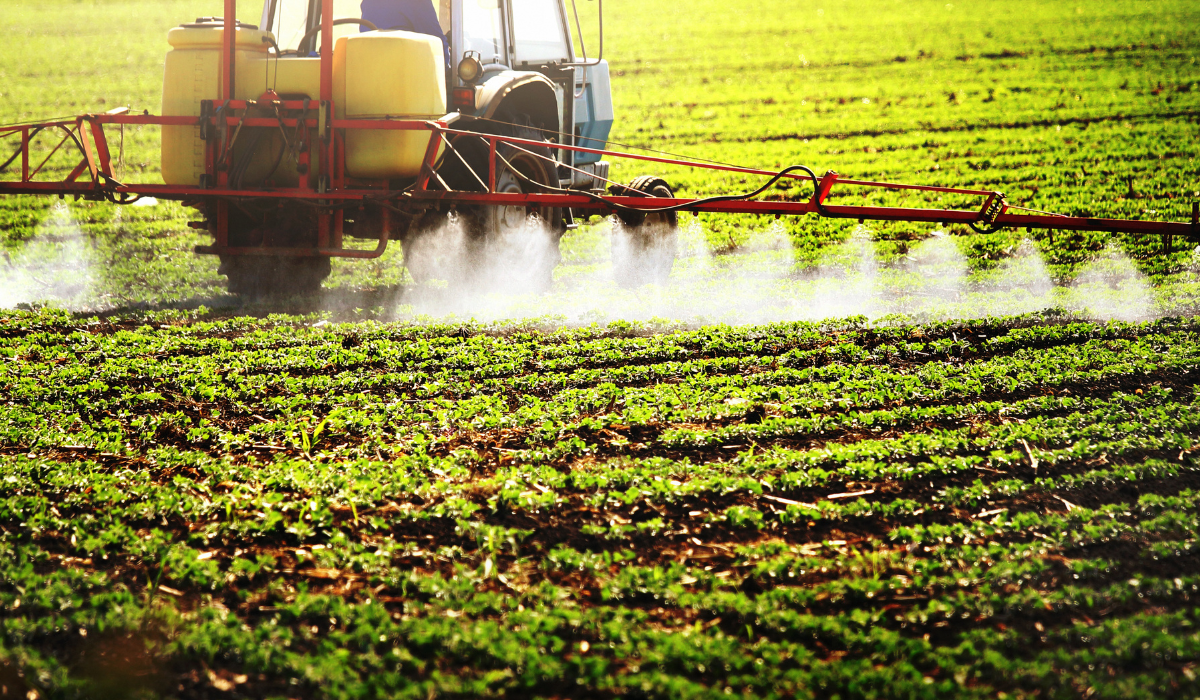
(258, 277)
(262, 276)
(508, 248)
(644, 244)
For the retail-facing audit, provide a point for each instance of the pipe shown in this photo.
(229, 55)
(585, 62)
(326, 50)
(326, 164)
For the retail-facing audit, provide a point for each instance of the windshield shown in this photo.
(483, 29)
(539, 31)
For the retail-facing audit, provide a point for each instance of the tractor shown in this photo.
(503, 68)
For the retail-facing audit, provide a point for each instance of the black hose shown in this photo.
(243, 163)
(267, 78)
(992, 229)
(312, 33)
(283, 149)
(679, 207)
(722, 198)
(122, 199)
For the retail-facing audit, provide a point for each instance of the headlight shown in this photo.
(469, 69)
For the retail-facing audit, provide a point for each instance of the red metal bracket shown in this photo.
(995, 205)
(491, 165)
(229, 54)
(828, 180)
(25, 154)
(429, 164)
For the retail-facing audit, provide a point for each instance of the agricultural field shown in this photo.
(824, 461)
(272, 508)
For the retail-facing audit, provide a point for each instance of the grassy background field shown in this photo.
(246, 503)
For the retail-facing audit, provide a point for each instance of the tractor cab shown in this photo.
(295, 23)
(520, 33)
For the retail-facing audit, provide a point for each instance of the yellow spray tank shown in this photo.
(388, 75)
(377, 75)
(193, 74)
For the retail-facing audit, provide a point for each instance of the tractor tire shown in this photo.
(499, 248)
(644, 244)
(257, 277)
(263, 277)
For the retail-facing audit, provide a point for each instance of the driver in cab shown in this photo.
(417, 16)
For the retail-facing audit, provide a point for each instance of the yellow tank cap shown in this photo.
(211, 37)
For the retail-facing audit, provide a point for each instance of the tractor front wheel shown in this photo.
(644, 243)
(520, 244)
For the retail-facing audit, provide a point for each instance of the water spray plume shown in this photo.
(940, 265)
(1112, 288)
(53, 267)
(755, 284)
(846, 283)
(460, 274)
(758, 282)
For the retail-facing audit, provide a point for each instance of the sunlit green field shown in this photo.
(963, 483)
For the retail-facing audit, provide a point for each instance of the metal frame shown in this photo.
(335, 192)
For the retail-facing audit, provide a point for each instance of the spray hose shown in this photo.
(990, 224)
(678, 207)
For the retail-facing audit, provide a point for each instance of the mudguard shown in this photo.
(521, 92)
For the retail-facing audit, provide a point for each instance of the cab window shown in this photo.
(539, 31)
(294, 17)
(289, 23)
(483, 29)
(291, 20)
